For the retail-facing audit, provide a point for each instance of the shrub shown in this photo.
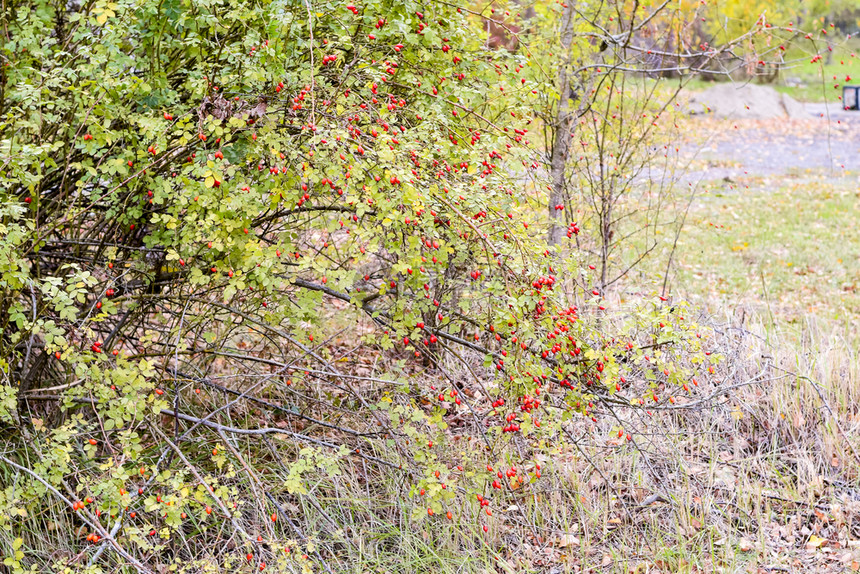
(269, 267)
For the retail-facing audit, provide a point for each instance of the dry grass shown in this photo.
(758, 477)
(753, 472)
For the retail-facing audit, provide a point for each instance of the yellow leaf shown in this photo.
(815, 542)
(209, 181)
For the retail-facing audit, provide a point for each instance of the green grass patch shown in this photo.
(793, 249)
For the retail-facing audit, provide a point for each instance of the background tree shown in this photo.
(611, 134)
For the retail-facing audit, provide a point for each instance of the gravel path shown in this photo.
(829, 141)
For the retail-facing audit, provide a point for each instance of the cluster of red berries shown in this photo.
(541, 282)
(511, 426)
(529, 404)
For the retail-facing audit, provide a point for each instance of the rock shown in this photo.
(745, 101)
(793, 108)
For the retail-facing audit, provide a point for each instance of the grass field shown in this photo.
(787, 250)
(775, 263)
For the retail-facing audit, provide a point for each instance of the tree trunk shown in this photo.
(563, 123)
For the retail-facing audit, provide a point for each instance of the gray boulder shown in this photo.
(745, 101)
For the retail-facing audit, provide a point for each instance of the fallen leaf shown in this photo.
(695, 523)
(815, 542)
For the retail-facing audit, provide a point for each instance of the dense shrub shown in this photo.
(259, 260)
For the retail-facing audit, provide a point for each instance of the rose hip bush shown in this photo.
(215, 216)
